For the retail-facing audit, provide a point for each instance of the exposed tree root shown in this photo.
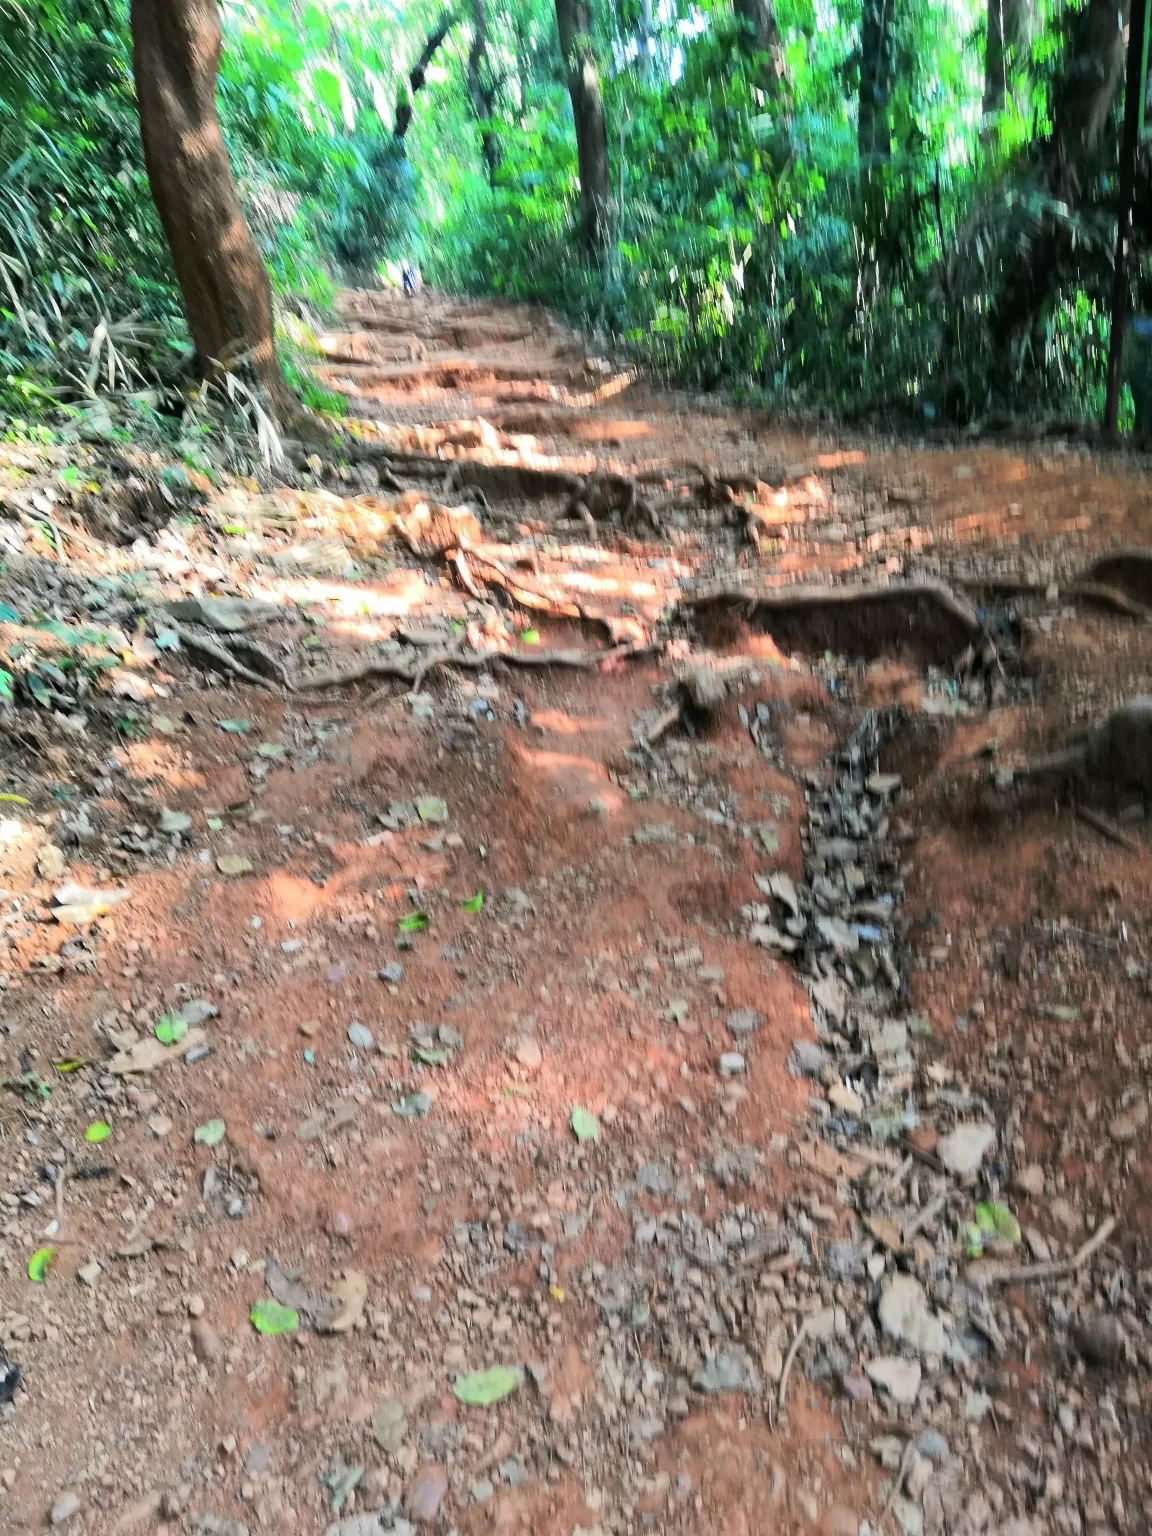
(220, 657)
(414, 673)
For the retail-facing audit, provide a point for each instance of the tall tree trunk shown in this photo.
(418, 76)
(223, 281)
(574, 20)
(1008, 34)
(762, 36)
(1082, 103)
(645, 38)
(483, 92)
(873, 125)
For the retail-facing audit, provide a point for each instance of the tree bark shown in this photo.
(574, 20)
(1009, 32)
(1082, 103)
(418, 76)
(873, 126)
(762, 37)
(223, 281)
(483, 89)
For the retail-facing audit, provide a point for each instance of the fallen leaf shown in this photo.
(171, 1028)
(415, 922)
(14, 800)
(210, 1134)
(38, 1264)
(79, 904)
(997, 1221)
(429, 1058)
(269, 1316)
(431, 809)
(474, 903)
(351, 1293)
(585, 1124)
(482, 1388)
(556, 1292)
(174, 821)
(68, 1064)
(234, 864)
(97, 1132)
(235, 727)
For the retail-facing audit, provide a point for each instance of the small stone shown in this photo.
(845, 1100)
(730, 1370)
(160, 1126)
(598, 808)
(389, 1424)
(1037, 1245)
(360, 1036)
(195, 1306)
(1127, 1127)
(744, 1021)
(425, 1494)
(933, 1445)
(1066, 1215)
(529, 1054)
(731, 1064)
(206, 1344)
(89, 1274)
(842, 1522)
(67, 1505)
(1030, 1180)
(392, 973)
(1100, 1340)
(962, 1150)
(899, 1378)
(904, 1316)
(482, 1491)
(857, 1388)
(50, 862)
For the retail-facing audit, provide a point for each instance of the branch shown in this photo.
(418, 74)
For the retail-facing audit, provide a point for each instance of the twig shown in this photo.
(262, 658)
(223, 659)
(922, 1218)
(801, 1335)
(465, 575)
(662, 724)
(898, 1483)
(1052, 1269)
(1106, 828)
(929, 1159)
(1111, 597)
(60, 1177)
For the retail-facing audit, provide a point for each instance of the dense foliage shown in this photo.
(761, 236)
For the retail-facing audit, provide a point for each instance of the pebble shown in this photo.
(904, 1315)
(160, 1126)
(389, 1424)
(67, 1505)
(729, 1370)
(899, 1378)
(425, 1494)
(195, 1306)
(962, 1150)
(482, 1491)
(845, 1100)
(744, 1021)
(529, 1054)
(89, 1274)
(731, 1064)
(360, 1036)
(1100, 1340)
(1127, 1127)
(1030, 1180)
(392, 973)
(205, 1341)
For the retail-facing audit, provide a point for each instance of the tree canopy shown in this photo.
(897, 206)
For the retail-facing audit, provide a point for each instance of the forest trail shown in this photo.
(617, 954)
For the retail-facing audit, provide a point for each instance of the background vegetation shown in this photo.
(913, 219)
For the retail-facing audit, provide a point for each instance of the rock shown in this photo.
(642, 1428)
(482, 1491)
(50, 862)
(1037, 1245)
(67, 1505)
(226, 615)
(364, 1525)
(1066, 1214)
(89, 1274)
(933, 1445)
(217, 1525)
(841, 1522)
(656, 1178)
(1030, 1180)
(360, 1036)
(1100, 1340)
(806, 1059)
(529, 1054)
(899, 1378)
(962, 1150)
(425, 1494)
(744, 1021)
(730, 1370)
(392, 973)
(904, 1316)
(807, 1506)
(389, 1424)
(845, 1100)
(731, 1064)
(206, 1344)
(1127, 1127)
(857, 1388)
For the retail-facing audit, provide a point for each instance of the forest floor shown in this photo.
(622, 955)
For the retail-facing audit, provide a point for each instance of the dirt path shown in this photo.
(605, 826)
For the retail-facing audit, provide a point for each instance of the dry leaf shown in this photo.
(351, 1293)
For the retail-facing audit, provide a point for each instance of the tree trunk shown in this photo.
(483, 92)
(418, 76)
(873, 127)
(762, 37)
(1008, 35)
(1082, 103)
(574, 20)
(227, 296)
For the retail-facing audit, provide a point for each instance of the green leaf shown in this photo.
(415, 922)
(234, 864)
(271, 1316)
(14, 800)
(585, 1124)
(432, 809)
(530, 636)
(68, 1064)
(271, 749)
(171, 1028)
(483, 1388)
(210, 1134)
(235, 727)
(235, 529)
(474, 903)
(5, 684)
(974, 1238)
(97, 1132)
(998, 1221)
(38, 1264)
(8, 614)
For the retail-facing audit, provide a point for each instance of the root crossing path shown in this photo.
(534, 997)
